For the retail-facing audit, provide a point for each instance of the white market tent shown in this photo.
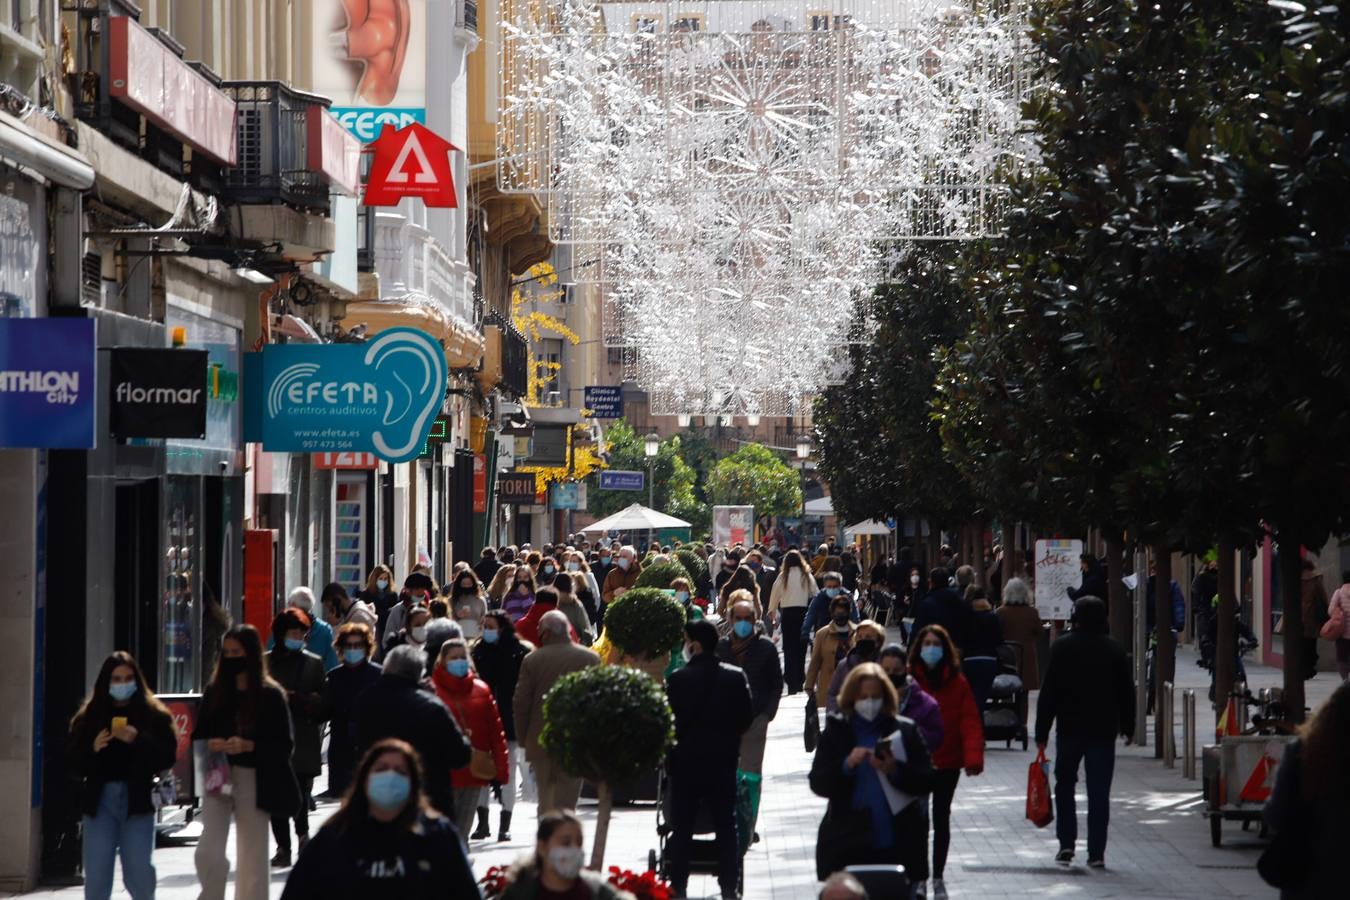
(821, 506)
(870, 526)
(636, 518)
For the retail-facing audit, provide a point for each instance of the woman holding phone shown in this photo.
(121, 738)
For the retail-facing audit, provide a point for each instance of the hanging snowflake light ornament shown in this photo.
(741, 170)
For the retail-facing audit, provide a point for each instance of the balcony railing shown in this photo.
(290, 148)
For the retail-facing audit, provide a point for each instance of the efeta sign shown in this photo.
(379, 397)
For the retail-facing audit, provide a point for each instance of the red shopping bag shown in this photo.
(1040, 810)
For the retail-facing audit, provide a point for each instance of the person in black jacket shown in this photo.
(355, 645)
(867, 822)
(300, 674)
(1089, 692)
(385, 840)
(246, 724)
(487, 567)
(397, 707)
(497, 656)
(942, 606)
(1094, 579)
(713, 707)
(748, 648)
(120, 739)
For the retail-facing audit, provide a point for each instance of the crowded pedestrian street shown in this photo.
(674, 449)
(1160, 846)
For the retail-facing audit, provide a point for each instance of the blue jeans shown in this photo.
(1098, 756)
(109, 831)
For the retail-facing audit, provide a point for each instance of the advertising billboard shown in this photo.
(370, 57)
(733, 525)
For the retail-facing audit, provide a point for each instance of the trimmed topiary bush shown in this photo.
(645, 622)
(660, 575)
(607, 724)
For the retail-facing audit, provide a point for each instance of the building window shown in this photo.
(646, 23)
(687, 23)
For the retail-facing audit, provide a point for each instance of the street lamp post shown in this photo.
(651, 445)
(803, 447)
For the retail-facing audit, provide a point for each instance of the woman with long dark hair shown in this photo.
(246, 725)
(935, 664)
(743, 578)
(497, 656)
(468, 603)
(385, 840)
(792, 593)
(521, 597)
(1306, 809)
(121, 738)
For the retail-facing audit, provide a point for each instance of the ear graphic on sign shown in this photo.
(417, 365)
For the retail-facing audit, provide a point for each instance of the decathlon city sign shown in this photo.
(378, 397)
(411, 162)
(47, 383)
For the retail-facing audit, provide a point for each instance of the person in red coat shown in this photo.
(935, 664)
(527, 629)
(470, 701)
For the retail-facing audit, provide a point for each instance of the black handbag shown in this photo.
(811, 729)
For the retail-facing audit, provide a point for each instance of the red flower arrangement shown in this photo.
(646, 886)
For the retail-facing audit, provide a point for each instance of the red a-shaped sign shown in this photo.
(411, 162)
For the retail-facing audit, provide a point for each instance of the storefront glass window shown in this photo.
(180, 613)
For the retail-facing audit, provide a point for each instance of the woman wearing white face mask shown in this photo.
(555, 869)
(385, 840)
(874, 769)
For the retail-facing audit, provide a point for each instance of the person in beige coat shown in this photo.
(831, 645)
(1021, 626)
(539, 671)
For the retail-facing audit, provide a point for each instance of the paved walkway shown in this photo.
(1159, 844)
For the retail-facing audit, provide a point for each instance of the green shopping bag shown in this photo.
(748, 786)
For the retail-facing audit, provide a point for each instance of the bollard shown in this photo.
(1240, 691)
(1167, 722)
(1188, 734)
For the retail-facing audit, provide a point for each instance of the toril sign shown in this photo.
(157, 393)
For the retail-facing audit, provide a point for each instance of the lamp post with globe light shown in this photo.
(803, 453)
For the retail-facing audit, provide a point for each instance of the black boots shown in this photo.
(504, 827)
(482, 831)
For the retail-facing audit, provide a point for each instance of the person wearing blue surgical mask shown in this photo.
(935, 664)
(748, 647)
(301, 674)
(355, 644)
(470, 701)
(497, 656)
(386, 834)
(120, 736)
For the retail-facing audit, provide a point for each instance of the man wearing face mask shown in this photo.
(817, 614)
(713, 707)
(301, 674)
(622, 577)
(749, 649)
(418, 589)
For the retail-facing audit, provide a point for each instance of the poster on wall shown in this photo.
(370, 57)
(379, 397)
(1057, 570)
(21, 258)
(47, 383)
(733, 525)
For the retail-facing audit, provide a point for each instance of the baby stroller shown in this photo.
(703, 851)
(1005, 710)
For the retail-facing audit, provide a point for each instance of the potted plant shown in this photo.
(607, 724)
(642, 627)
(660, 575)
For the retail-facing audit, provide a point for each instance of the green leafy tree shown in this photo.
(672, 478)
(581, 712)
(660, 575)
(754, 476)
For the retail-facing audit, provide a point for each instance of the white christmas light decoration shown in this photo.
(740, 171)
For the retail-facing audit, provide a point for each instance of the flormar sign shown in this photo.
(157, 393)
(378, 397)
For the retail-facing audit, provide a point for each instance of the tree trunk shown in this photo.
(1008, 568)
(1225, 641)
(606, 797)
(1164, 658)
(934, 543)
(977, 560)
(1118, 603)
(1291, 590)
